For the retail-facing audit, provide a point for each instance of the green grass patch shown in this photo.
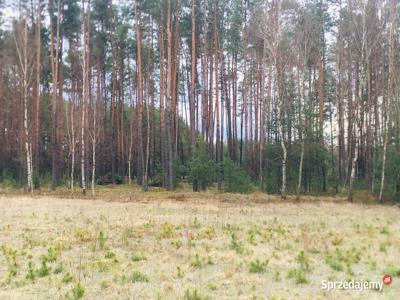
(137, 276)
(257, 266)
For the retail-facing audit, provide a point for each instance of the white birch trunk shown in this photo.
(280, 132)
(27, 143)
(28, 146)
(302, 96)
(353, 164)
(23, 60)
(284, 158)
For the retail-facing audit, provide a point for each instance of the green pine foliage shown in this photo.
(235, 178)
(201, 169)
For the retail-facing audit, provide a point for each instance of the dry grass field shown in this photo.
(129, 245)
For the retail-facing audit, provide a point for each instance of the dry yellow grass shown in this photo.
(129, 245)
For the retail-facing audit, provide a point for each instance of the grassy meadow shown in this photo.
(126, 244)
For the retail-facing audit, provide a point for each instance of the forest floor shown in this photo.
(160, 245)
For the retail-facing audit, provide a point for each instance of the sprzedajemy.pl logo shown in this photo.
(359, 285)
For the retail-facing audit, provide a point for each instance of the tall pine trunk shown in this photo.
(142, 175)
(54, 72)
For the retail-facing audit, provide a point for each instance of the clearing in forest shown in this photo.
(163, 245)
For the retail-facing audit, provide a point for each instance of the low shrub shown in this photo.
(108, 179)
(235, 178)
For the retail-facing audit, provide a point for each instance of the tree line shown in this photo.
(289, 96)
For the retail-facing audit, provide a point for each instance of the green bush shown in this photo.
(392, 186)
(180, 169)
(45, 179)
(333, 262)
(107, 179)
(67, 278)
(236, 244)
(157, 177)
(36, 180)
(109, 255)
(65, 180)
(78, 291)
(304, 261)
(257, 266)
(44, 270)
(299, 275)
(138, 256)
(7, 178)
(101, 239)
(51, 255)
(235, 178)
(316, 167)
(201, 169)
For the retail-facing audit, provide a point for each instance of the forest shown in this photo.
(284, 96)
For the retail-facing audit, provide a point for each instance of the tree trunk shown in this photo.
(385, 142)
(163, 141)
(85, 93)
(113, 90)
(72, 112)
(142, 175)
(341, 168)
(23, 60)
(193, 82)
(169, 118)
(94, 139)
(281, 136)
(301, 133)
(262, 127)
(391, 89)
(352, 174)
(54, 71)
(37, 102)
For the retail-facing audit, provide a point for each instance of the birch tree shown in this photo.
(25, 66)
